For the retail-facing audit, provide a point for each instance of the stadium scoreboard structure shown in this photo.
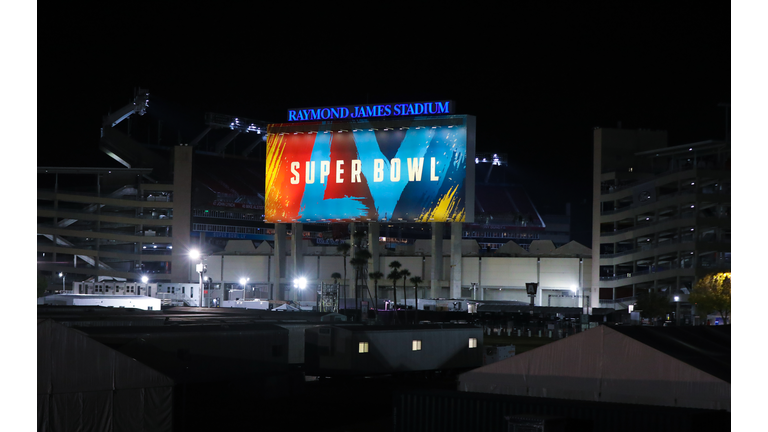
(405, 162)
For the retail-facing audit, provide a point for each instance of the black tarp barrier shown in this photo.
(86, 386)
(129, 420)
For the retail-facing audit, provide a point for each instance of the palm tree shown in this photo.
(416, 280)
(376, 276)
(336, 276)
(360, 264)
(394, 276)
(404, 273)
(344, 249)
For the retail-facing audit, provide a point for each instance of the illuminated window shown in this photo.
(473, 342)
(362, 347)
(416, 345)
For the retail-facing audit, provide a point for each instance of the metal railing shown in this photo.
(646, 248)
(634, 206)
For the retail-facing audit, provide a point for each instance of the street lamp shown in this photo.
(144, 280)
(63, 277)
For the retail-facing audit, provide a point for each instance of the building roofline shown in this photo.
(90, 170)
(700, 145)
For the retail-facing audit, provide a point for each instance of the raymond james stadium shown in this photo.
(364, 263)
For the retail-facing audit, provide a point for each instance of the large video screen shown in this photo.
(416, 172)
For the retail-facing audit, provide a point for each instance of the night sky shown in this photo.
(538, 80)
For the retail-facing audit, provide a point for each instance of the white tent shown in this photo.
(286, 307)
(603, 364)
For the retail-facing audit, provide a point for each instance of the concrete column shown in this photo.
(278, 263)
(437, 259)
(481, 295)
(297, 249)
(351, 281)
(182, 217)
(580, 289)
(539, 291)
(456, 230)
(597, 164)
(373, 247)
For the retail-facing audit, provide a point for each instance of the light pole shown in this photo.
(63, 277)
(677, 310)
(144, 280)
(195, 255)
(242, 284)
(474, 290)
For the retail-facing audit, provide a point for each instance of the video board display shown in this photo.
(360, 170)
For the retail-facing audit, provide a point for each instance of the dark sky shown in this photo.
(538, 80)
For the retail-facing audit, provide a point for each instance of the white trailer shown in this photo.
(114, 301)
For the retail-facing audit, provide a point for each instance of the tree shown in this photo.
(416, 280)
(344, 249)
(376, 276)
(404, 273)
(42, 285)
(336, 276)
(394, 276)
(652, 305)
(712, 293)
(360, 264)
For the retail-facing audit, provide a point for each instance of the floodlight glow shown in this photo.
(300, 283)
(677, 298)
(573, 288)
(194, 254)
(144, 279)
(242, 281)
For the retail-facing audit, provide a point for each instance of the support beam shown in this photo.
(437, 259)
(278, 263)
(253, 145)
(199, 137)
(222, 144)
(456, 231)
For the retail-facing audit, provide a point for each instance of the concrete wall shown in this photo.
(508, 272)
(559, 273)
(554, 275)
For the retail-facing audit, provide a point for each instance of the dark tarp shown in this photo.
(86, 386)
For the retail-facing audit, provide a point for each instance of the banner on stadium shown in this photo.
(415, 172)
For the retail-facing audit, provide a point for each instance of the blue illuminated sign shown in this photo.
(366, 111)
